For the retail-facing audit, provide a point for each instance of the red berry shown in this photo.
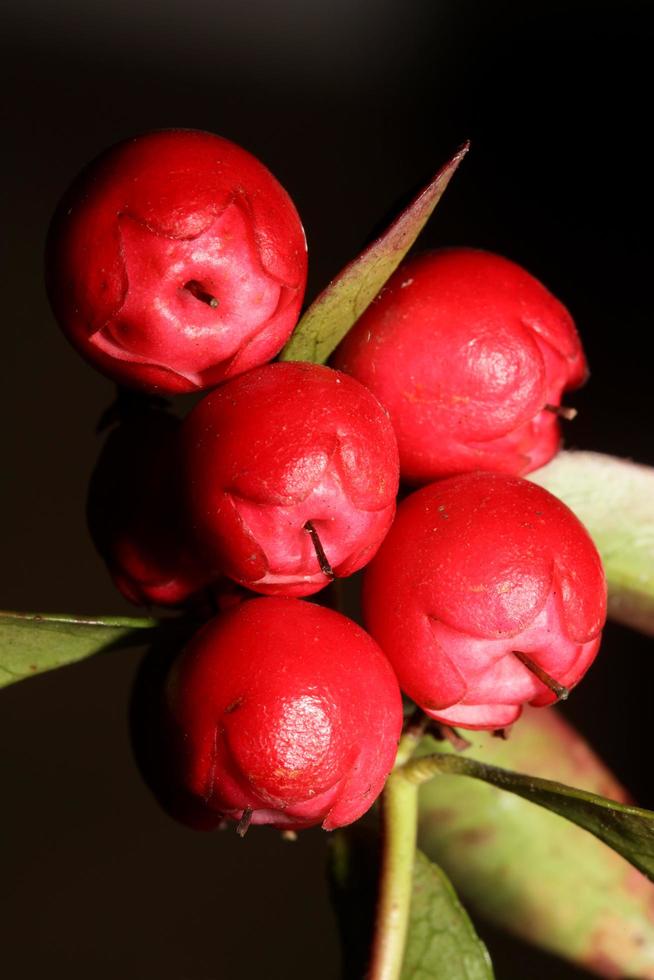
(466, 349)
(134, 513)
(176, 260)
(476, 571)
(285, 709)
(279, 448)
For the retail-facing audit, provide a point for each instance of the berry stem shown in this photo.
(415, 728)
(399, 808)
(323, 561)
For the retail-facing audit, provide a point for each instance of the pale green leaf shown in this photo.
(530, 871)
(31, 643)
(442, 943)
(629, 830)
(614, 499)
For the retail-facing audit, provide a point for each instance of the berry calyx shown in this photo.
(487, 594)
(470, 354)
(291, 473)
(176, 260)
(283, 713)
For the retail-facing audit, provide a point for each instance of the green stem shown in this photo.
(409, 742)
(419, 771)
(399, 807)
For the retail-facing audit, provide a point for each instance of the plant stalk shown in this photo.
(399, 809)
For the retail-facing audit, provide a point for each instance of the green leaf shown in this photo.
(31, 643)
(627, 829)
(614, 498)
(442, 943)
(340, 305)
(529, 870)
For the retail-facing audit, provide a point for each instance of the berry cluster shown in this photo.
(176, 263)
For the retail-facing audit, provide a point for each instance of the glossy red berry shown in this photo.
(283, 713)
(133, 512)
(470, 355)
(283, 463)
(176, 260)
(487, 594)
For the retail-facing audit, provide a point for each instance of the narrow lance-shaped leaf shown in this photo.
(340, 305)
(31, 643)
(529, 870)
(442, 943)
(614, 498)
(629, 830)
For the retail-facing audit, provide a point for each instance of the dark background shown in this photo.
(353, 104)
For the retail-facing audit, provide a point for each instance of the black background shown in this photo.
(353, 105)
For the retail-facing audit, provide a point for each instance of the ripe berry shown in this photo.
(176, 260)
(470, 355)
(133, 513)
(292, 473)
(487, 594)
(283, 713)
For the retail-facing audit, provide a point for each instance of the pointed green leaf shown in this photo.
(529, 870)
(442, 943)
(340, 305)
(627, 829)
(31, 643)
(614, 498)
